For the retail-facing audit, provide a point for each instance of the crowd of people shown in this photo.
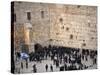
(63, 58)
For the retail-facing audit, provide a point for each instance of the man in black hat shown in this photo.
(46, 67)
(51, 67)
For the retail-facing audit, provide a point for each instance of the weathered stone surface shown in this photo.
(67, 25)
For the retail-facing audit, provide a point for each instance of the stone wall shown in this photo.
(57, 24)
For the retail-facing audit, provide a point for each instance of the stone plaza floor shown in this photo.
(41, 66)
